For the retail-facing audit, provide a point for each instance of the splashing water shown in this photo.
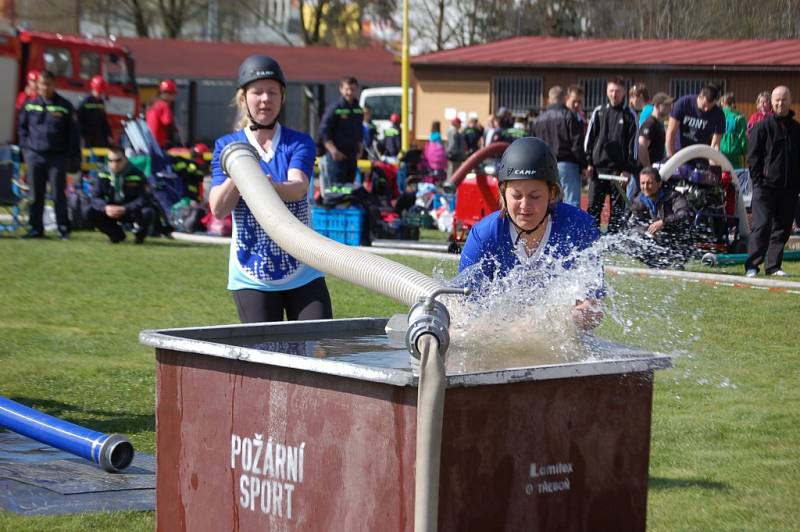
(525, 318)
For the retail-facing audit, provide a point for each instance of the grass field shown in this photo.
(726, 418)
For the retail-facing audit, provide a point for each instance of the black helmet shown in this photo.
(258, 67)
(528, 158)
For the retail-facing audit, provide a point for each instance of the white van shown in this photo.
(384, 101)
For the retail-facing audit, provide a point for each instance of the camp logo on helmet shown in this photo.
(263, 73)
(525, 172)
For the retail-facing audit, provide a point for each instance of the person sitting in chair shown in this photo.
(121, 196)
(662, 215)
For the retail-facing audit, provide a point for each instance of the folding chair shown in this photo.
(12, 192)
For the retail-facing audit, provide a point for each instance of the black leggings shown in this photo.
(308, 302)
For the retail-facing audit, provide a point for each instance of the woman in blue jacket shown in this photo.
(532, 227)
(267, 282)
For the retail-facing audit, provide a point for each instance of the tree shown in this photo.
(176, 13)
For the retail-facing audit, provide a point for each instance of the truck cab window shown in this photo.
(90, 65)
(116, 69)
(58, 61)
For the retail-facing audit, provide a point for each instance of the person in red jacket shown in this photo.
(29, 92)
(160, 118)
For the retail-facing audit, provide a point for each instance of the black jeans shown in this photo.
(771, 225)
(598, 190)
(42, 168)
(113, 229)
(308, 302)
(341, 171)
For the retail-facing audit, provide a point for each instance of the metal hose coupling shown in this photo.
(233, 150)
(429, 316)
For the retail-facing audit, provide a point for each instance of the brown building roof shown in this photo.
(172, 58)
(607, 53)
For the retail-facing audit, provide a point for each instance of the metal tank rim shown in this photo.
(207, 341)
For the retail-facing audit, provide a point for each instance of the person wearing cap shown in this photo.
(533, 229)
(160, 117)
(391, 137)
(456, 146)
(267, 282)
(29, 92)
(92, 116)
(342, 133)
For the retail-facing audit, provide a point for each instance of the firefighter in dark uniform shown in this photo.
(50, 138)
(342, 133)
(92, 117)
(119, 197)
(391, 137)
(193, 171)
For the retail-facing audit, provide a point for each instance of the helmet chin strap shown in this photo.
(521, 231)
(255, 126)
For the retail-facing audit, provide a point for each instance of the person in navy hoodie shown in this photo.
(532, 228)
(265, 280)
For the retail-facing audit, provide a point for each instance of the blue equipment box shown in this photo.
(342, 225)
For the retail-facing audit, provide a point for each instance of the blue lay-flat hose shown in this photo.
(112, 452)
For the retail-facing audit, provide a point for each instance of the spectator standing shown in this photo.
(456, 146)
(92, 116)
(734, 140)
(472, 135)
(50, 138)
(265, 280)
(763, 110)
(696, 119)
(392, 141)
(492, 126)
(574, 103)
(611, 149)
(774, 162)
(505, 119)
(639, 101)
(160, 116)
(560, 129)
(652, 137)
(435, 152)
(29, 92)
(121, 196)
(664, 216)
(342, 133)
(370, 131)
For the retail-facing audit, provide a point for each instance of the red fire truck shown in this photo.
(73, 60)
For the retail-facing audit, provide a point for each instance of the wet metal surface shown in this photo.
(36, 479)
(358, 348)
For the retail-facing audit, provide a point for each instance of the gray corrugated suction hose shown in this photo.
(703, 151)
(430, 412)
(240, 161)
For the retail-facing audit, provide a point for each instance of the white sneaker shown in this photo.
(751, 273)
(779, 273)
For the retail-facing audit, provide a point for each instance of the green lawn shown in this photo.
(725, 453)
